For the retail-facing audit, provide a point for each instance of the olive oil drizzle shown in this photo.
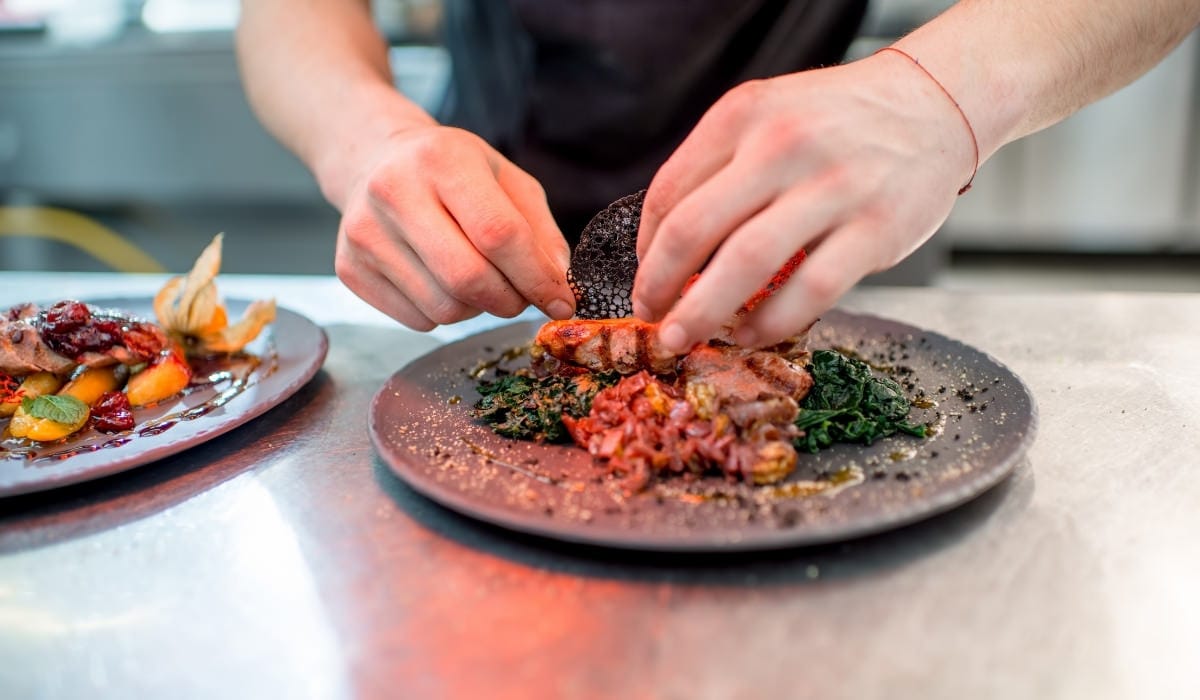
(508, 355)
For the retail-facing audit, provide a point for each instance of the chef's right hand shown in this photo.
(438, 227)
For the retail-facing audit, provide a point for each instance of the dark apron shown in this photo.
(591, 96)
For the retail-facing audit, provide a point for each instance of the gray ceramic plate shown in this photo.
(291, 350)
(983, 417)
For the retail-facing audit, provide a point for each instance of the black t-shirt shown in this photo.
(591, 96)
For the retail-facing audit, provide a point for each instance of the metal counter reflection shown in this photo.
(103, 606)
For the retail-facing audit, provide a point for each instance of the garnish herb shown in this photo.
(849, 404)
(526, 407)
(60, 409)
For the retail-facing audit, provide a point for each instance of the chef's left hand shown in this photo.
(858, 164)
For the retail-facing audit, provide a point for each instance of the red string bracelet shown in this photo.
(961, 113)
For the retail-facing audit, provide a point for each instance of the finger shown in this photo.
(835, 265)
(501, 234)
(705, 151)
(692, 163)
(421, 247)
(529, 197)
(446, 288)
(746, 262)
(693, 230)
(378, 238)
(377, 290)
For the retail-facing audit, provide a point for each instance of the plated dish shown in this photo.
(286, 355)
(90, 388)
(980, 415)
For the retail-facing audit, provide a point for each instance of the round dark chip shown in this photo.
(604, 261)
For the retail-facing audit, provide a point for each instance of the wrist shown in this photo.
(966, 122)
(371, 114)
(981, 89)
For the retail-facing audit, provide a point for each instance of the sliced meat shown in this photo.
(741, 376)
(23, 352)
(623, 345)
(629, 345)
(792, 348)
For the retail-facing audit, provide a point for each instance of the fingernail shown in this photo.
(559, 310)
(745, 337)
(673, 337)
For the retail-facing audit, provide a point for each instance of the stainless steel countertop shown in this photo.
(284, 560)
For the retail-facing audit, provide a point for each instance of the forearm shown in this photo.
(1017, 66)
(317, 75)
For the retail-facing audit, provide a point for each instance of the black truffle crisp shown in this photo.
(604, 262)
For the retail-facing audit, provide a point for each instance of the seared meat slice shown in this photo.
(738, 376)
(71, 333)
(793, 348)
(628, 345)
(624, 345)
(22, 351)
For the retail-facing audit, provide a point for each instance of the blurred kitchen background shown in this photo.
(124, 121)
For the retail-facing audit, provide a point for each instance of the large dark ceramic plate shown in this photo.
(982, 414)
(290, 350)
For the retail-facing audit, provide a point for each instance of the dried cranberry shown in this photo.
(70, 330)
(112, 413)
(66, 316)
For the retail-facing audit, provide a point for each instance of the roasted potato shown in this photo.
(92, 383)
(26, 426)
(163, 379)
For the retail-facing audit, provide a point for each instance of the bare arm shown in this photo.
(316, 73)
(859, 164)
(437, 226)
(1019, 66)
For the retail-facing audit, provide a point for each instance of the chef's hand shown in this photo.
(858, 164)
(439, 227)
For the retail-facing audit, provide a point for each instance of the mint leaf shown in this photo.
(60, 409)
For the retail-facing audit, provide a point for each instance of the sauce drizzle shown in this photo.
(227, 377)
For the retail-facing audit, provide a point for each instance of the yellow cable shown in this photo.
(77, 230)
